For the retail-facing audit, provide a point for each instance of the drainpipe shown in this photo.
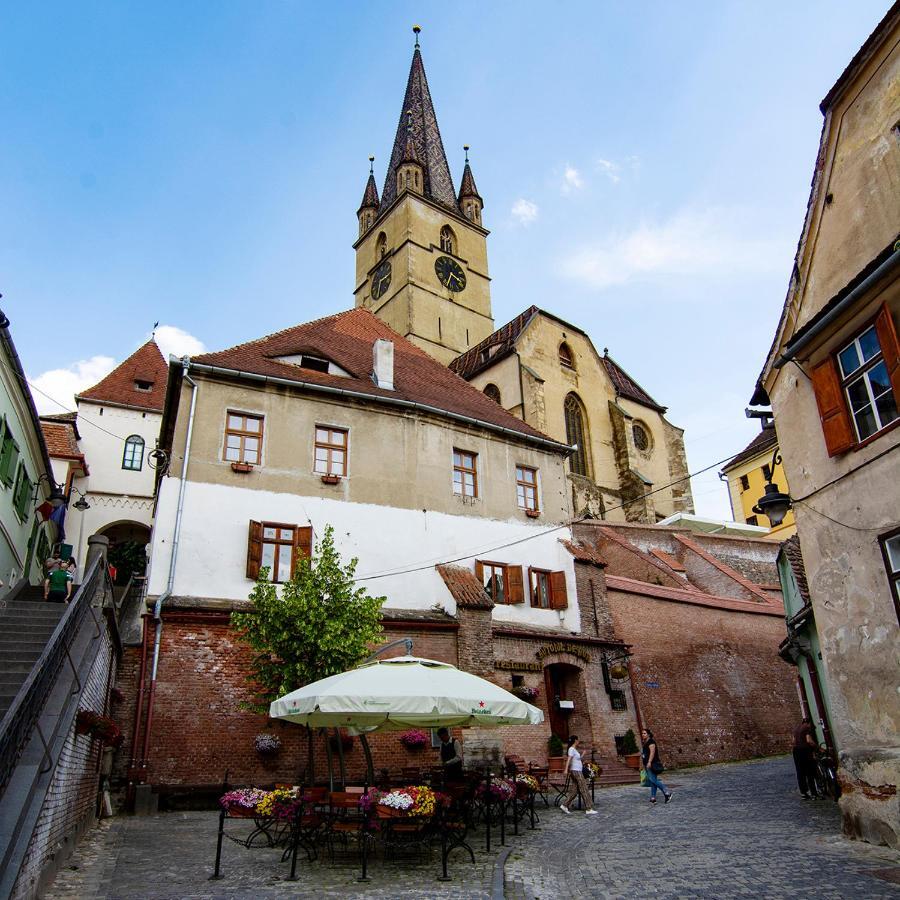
(157, 609)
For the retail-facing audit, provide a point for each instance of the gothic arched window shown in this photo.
(566, 358)
(133, 457)
(577, 434)
(380, 246)
(492, 391)
(447, 239)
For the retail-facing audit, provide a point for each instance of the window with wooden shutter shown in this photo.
(559, 597)
(22, 495)
(302, 544)
(890, 349)
(515, 587)
(9, 456)
(254, 550)
(836, 425)
(539, 588)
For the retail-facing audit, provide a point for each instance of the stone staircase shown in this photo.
(616, 772)
(25, 626)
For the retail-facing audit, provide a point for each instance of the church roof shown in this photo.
(421, 123)
(467, 186)
(502, 342)
(370, 195)
(147, 366)
(346, 339)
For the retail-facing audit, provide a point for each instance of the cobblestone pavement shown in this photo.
(738, 830)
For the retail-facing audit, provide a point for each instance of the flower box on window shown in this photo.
(330, 479)
(532, 513)
(241, 467)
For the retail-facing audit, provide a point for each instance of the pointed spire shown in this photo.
(467, 185)
(370, 195)
(418, 132)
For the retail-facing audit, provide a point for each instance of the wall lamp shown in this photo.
(56, 498)
(773, 504)
(81, 503)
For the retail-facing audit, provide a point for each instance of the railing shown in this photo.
(22, 716)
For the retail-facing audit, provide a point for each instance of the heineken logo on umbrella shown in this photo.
(482, 709)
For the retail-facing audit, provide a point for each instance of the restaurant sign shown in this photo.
(560, 647)
(515, 666)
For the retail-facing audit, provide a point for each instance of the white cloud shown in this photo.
(610, 169)
(571, 180)
(54, 391)
(524, 211)
(691, 242)
(177, 342)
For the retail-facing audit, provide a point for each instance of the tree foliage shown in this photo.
(319, 624)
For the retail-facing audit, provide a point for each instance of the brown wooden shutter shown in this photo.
(559, 597)
(890, 349)
(515, 589)
(836, 425)
(254, 549)
(302, 543)
(479, 571)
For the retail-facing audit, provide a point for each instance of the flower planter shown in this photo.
(241, 467)
(241, 812)
(533, 513)
(556, 763)
(330, 479)
(632, 760)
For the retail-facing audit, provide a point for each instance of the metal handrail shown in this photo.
(20, 719)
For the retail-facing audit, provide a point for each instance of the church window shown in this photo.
(566, 357)
(381, 246)
(465, 473)
(243, 438)
(133, 457)
(641, 437)
(417, 179)
(576, 435)
(448, 239)
(492, 391)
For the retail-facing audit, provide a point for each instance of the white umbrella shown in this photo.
(403, 692)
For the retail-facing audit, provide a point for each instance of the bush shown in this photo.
(555, 745)
(629, 743)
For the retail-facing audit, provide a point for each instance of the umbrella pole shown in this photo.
(487, 811)
(340, 750)
(310, 757)
(329, 758)
(370, 766)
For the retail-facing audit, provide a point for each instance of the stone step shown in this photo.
(18, 655)
(11, 642)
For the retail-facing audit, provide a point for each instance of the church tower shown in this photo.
(421, 254)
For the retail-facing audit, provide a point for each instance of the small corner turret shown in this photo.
(368, 209)
(470, 202)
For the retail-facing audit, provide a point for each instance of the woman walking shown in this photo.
(653, 765)
(579, 786)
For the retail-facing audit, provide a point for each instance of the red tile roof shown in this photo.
(765, 440)
(627, 387)
(465, 588)
(60, 439)
(347, 340)
(791, 549)
(145, 364)
(583, 552)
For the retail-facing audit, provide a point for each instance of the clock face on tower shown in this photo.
(381, 279)
(450, 273)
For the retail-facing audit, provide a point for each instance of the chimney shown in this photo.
(383, 364)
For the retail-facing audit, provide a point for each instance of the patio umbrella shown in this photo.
(400, 693)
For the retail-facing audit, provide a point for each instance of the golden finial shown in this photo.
(416, 30)
(371, 165)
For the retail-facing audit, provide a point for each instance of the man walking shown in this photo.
(804, 747)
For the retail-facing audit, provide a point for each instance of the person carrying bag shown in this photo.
(653, 766)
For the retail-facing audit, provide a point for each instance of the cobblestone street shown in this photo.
(738, 830)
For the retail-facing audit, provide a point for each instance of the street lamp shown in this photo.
(773, 504)
(56, 498)
(81, 503)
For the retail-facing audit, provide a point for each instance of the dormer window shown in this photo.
(313, 362)
(447, 239)
(141, 385)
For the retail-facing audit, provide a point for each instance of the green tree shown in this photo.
(321, 623)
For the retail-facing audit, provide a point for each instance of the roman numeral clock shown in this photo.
(450, 273)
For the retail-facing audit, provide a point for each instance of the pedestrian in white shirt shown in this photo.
(578, 786)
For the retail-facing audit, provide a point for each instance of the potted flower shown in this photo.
(241, 467)
(501, 790)
(528, 694)
(630, 753)
(242, 802)
(526, 784)
(267, 745)
(592, 771)
(99, 728)
(331, 479)
(557, 759)
(415, 739)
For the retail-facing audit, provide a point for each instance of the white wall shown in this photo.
(212, 554)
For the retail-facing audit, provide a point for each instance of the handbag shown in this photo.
(644, 780)
(656, 767)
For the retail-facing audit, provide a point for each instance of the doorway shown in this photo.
(561, 683)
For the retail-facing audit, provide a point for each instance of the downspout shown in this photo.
(157, 609)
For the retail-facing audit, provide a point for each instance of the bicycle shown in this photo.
(825, 773)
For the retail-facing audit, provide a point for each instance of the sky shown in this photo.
(645, 170)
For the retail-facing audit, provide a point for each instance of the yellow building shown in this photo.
(747, 476)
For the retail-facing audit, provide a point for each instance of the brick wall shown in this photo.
(723, 692)
(71, 801)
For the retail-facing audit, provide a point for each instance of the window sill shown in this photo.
(331, 479)
(241, 467)
(874, 437)
(533, 513)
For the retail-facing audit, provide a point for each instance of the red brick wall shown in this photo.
(723, 691)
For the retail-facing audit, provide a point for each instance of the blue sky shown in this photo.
(645, 170)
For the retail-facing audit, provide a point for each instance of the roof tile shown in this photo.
(146, 364)
(465, 588)
(60, 439)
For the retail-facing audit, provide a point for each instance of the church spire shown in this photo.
(368, 209)
(470, 201)
(418, 127)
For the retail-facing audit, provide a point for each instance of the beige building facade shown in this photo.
(833, 380)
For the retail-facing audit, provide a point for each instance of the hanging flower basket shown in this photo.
(267, 744)
(416, 739)
(99, 728)
(528, 694)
